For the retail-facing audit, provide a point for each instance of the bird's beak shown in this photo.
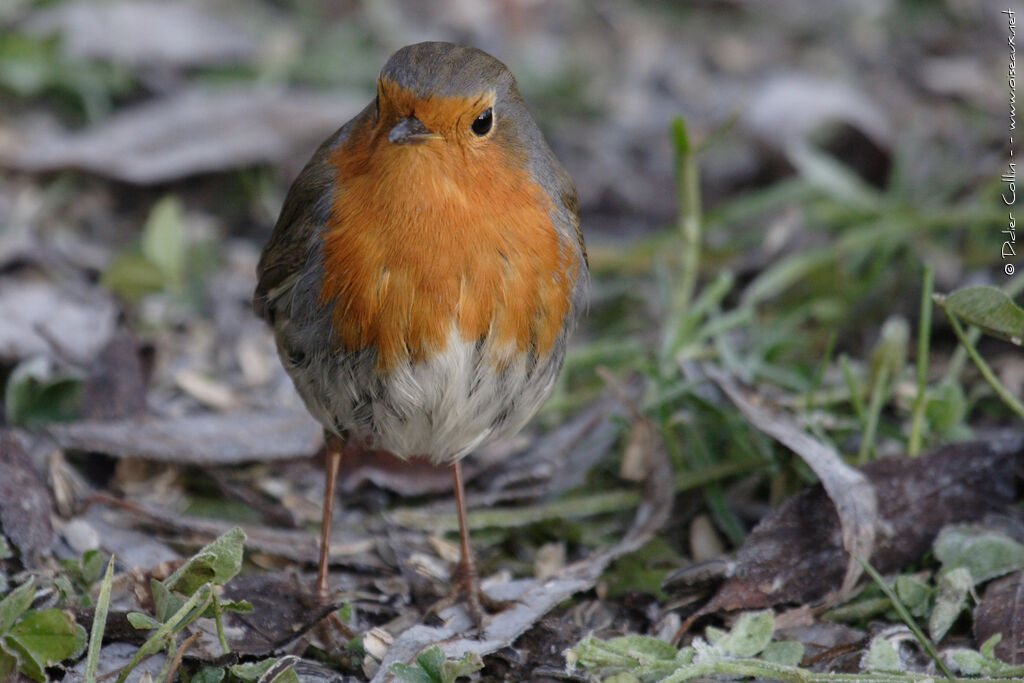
(410, 131)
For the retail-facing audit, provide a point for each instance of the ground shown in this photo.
(802, 348)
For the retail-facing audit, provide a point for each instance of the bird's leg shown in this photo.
(334, 449)
(465, 580)
(323, 592)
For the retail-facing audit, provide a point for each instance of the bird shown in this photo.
(425, 274)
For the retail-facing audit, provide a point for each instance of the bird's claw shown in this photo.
(466, 589)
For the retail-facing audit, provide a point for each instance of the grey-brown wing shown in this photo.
(306, 208)
(572, 205)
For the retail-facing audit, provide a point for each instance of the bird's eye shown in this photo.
(482, 125)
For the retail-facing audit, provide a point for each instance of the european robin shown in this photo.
(426, 271)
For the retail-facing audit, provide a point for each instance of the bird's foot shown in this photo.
(323, 598)
(466, 589)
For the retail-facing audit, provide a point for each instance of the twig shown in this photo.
(176, 662)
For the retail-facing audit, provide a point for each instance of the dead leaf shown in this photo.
(850, 493)
(538, 655)
(314, 672)
(795, 555)
(634, 465)
(418, 476)
(25, 503)
(550, 558)
(206, 439)
(187, 133)
(829, 647)
(297, 545)
(38, 317)
(1002, 611)
(115, 657)
(705, 543)
(961, 76)
(133, 549)
(562, 458)
(145, 33)
(785, 112)
(642, 433)
(406, 477)
(116, 386)
(283, 610)
(208, 391)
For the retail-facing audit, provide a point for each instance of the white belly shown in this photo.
(442, 408)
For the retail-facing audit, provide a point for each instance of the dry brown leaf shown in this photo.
(206, 439)
(794, 555)
(850, 492)
(635, 465)
(114, 658)
(133, 548)
(1002, 611)
(38, 317)
(116, 386)
(145, 33)
(297, 545)
(414, 477)
(25, 503)
(283, 609)
(705, 543)
(787, 110)
(561, 459)
(189, 132)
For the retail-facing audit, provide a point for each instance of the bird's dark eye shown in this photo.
(482, 124)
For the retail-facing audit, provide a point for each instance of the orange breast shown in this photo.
(426, 238)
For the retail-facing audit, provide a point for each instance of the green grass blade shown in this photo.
(924, 337)
(901, 609)
(853, 387)
(688, 189)
(99, 624)
(878, 393)
(1002, 392)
